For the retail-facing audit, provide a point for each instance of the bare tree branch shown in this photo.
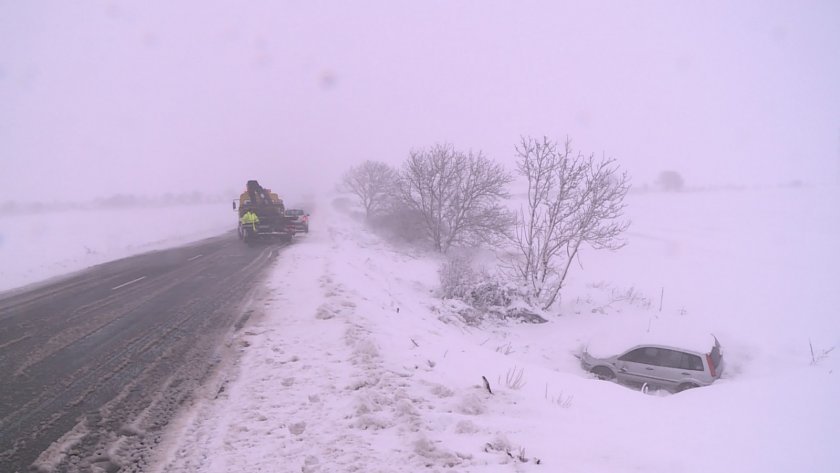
(572, 200)
(457, 194)
(373, 182)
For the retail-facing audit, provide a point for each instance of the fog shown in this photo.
(155, 97)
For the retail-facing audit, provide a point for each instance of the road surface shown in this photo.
(93, 366)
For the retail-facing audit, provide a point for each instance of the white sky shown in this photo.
(157, 96)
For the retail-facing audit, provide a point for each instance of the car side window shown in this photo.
(634, 356)
(664, 357)
(646, 355)
(669, 358)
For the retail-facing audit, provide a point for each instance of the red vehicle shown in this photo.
(301, 219)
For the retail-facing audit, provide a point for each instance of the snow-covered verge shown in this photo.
(354, 365)
(37, 246)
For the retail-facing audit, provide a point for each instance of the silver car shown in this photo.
(671, 368)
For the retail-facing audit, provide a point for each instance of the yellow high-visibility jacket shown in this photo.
(250, 218)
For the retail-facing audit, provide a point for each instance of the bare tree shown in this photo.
(457, 195)
(373, 182)
(572, 200)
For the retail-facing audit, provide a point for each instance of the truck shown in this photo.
(273, 223)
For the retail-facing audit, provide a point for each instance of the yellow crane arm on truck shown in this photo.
(245, 199)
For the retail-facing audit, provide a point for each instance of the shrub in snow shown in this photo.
(514, 379)
(505, 349)
(819, 355)
(399, 222)
(491, 292)
(523, 314)
(467, 314)
(457, 277)
(560, 400)
(483, 292)
(502, 445)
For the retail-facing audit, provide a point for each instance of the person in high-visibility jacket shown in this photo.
(250, 218)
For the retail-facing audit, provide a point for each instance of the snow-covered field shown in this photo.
(355, 366)
(37, 246)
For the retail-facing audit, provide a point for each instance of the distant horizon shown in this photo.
(126, 200)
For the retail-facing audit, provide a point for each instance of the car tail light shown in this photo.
(711, 365)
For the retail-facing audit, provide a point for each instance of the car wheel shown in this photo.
(682, 387)
(602, 372)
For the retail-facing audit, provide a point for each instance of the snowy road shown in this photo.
(93, 366)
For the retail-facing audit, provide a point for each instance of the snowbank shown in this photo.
(353, 365)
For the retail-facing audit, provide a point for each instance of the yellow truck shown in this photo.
(271, 221)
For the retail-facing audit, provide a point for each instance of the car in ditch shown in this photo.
(669, 367)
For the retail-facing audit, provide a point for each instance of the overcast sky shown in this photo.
(150, 97)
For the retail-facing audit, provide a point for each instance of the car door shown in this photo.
(669, 371)
(679, 367)
(637, 366)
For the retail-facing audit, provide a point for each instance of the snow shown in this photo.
(37, 246)
(351, 363)
(355, 366)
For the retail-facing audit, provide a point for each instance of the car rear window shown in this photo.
(691, 362)
(294, 212)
